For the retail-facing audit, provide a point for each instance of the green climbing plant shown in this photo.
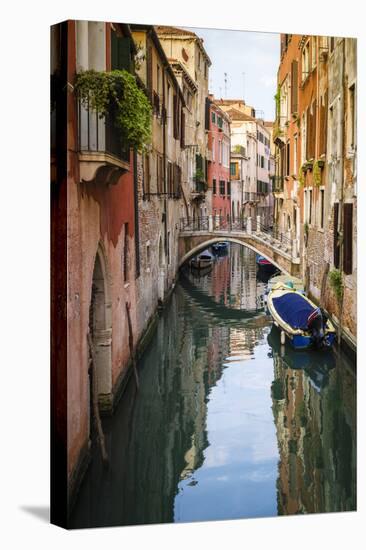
(117, 91)
(336, 283)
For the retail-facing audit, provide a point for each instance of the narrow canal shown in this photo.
(227, 423)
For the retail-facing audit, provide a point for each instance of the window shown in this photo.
(305, 61)
(294, 167)
(233, 168)
(294, 87)
(213, 117)
(229, 188)
(321, 208)
(288, 159)
(159, 174)
(347, 238)
(336, 247)
(158, 79)
(303, 137)
(214, 186)
(262, 161)
(222, 187)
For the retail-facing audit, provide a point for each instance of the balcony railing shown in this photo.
(250, 196)
(101, 135)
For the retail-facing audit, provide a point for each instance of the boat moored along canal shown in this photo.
(299, 319)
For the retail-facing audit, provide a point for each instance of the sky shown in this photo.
(255, 54)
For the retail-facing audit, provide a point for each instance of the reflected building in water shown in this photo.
(315, 416)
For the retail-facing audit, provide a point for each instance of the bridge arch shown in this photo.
(208, 242)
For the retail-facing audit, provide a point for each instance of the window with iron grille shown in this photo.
(222, 187)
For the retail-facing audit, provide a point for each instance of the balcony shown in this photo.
(199, 191)
(102, 154)
(250, 197)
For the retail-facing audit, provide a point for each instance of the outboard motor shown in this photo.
(316, 327)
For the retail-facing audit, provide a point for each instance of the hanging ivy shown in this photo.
(117, 92)
(336, 282)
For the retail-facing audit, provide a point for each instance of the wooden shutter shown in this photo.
(347, 237)
(323, 125)
(182, 130)
(294, 86)
(207, 113)
(120, 52)
(335, 236)
(149, 72)
(175, 117)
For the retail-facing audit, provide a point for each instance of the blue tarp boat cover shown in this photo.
(293, 309)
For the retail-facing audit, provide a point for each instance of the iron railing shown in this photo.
(100, 135)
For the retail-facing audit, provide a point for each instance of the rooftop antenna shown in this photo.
(225, 80)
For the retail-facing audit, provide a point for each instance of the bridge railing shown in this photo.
(253, 226)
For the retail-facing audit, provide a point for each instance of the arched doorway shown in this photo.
(100, 327)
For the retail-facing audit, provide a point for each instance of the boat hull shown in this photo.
(299, 339)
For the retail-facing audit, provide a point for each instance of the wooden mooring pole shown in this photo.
(96, 413)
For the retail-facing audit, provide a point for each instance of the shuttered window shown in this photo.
(335, 236)
(182, 130)
(294, 87)
(120, 52)
(311, 132)
(176, 112)
(323, 124)
(347, 237)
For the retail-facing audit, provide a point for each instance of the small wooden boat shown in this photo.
(220, 247)
(202, 260)
(287, 280)
(292, 282)
(265, 264)
(299, 319)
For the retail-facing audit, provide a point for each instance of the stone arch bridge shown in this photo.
(197, 235)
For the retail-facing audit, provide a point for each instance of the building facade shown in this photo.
(187, 48)
(218, 172)
(315, 185)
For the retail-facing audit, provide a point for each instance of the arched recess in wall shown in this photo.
(100, 326)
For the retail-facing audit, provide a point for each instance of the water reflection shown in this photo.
(226, 423)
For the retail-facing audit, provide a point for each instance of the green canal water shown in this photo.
(227, 423)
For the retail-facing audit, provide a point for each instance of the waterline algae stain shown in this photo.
(227, 423)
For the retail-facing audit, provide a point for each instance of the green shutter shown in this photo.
(121, 52)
